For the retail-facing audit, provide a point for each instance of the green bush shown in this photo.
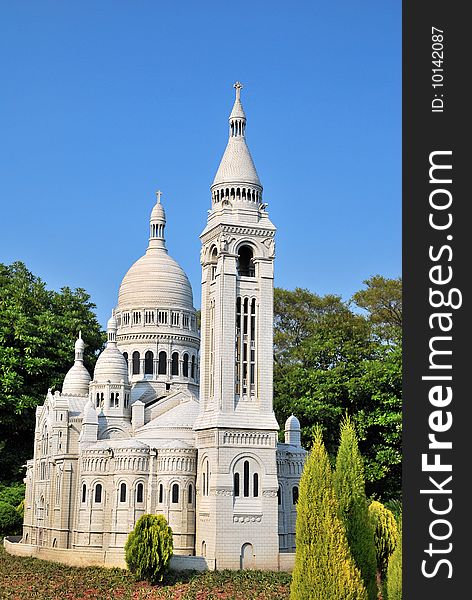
(324, 568)
(394, 570)
(385, 534)
(148, 549)
(349, 484)
(20, 509)
(12, 494)
(10, 520)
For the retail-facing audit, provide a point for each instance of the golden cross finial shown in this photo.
(238, 87)
(158, 194)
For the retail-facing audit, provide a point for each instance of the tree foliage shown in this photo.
(353, 506)
(394, 570)
(10, 520)
(38, 328)
(324, 567)
(148, 549)
(329, 360)
(385, 534)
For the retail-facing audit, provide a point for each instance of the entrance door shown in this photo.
(247, 557)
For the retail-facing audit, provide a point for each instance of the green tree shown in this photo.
(148, 549)
(324, 567)
(385, 534)
(329, 360)
(38, 328)
(10, 520)
(382, 299)
(349, 485)
(394, 569)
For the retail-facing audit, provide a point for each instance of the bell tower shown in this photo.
(236, 429)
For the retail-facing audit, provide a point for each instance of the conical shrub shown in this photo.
(349, 484)
(148, 549)
(385, 534)
(324, 568)
(394, 570)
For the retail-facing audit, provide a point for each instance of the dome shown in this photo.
(292, 423)
(156, 279)
(111, 366)
(76, 382)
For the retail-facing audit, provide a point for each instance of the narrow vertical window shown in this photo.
(175, 493)
(255, 485)
(123, 492)
(237, 383)
(148, 363)
(84, 492)
(190, 494)
(246, 479)
(295, 494)
(236, 484)
(162, 369)
(279, 496)
(136, 363)
(185, 366)
(175, 363)
(192, 373)
(139, 493)
(98, 493)
(161, 493)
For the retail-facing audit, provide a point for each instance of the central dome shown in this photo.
(156, 279)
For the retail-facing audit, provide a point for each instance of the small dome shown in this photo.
(112, 324)
(111, 366)
(76, 382)
(292, 423)
(79, 344)
(156, 279)
(158, 213)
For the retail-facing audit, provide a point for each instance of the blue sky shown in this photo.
(104, 102)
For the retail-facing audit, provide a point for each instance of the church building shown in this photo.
(174, 421)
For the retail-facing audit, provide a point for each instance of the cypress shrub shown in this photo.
(148, 549)
(385, 534)
(349, 484)
(394, 570)
(324, 568)
(10, 520)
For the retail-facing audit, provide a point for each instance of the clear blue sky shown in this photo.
(103, 102)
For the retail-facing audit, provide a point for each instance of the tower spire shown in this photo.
(157, 224)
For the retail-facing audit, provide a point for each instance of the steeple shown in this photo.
(157, 224)
(236, 179)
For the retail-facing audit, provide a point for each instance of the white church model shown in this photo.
(160, 430)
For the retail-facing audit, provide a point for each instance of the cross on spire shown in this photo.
(158, 194)
(238, 87)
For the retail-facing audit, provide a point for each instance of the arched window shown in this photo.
(246, 479)
(245, 262)
(112, 400)
(190, 494)
(294, 494)
(236, 484)
(175, 363)
(205, 477)
(175, 493)
(185, 366)
(161, 493)
(148, 363)
(98, 400)
(255, 488)
(136, 362)
(123, 492)
(125, 356)
(139, 493)
(214, 263)
(162, 368)
(98, 493)
(192, 373)
(84, 492)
